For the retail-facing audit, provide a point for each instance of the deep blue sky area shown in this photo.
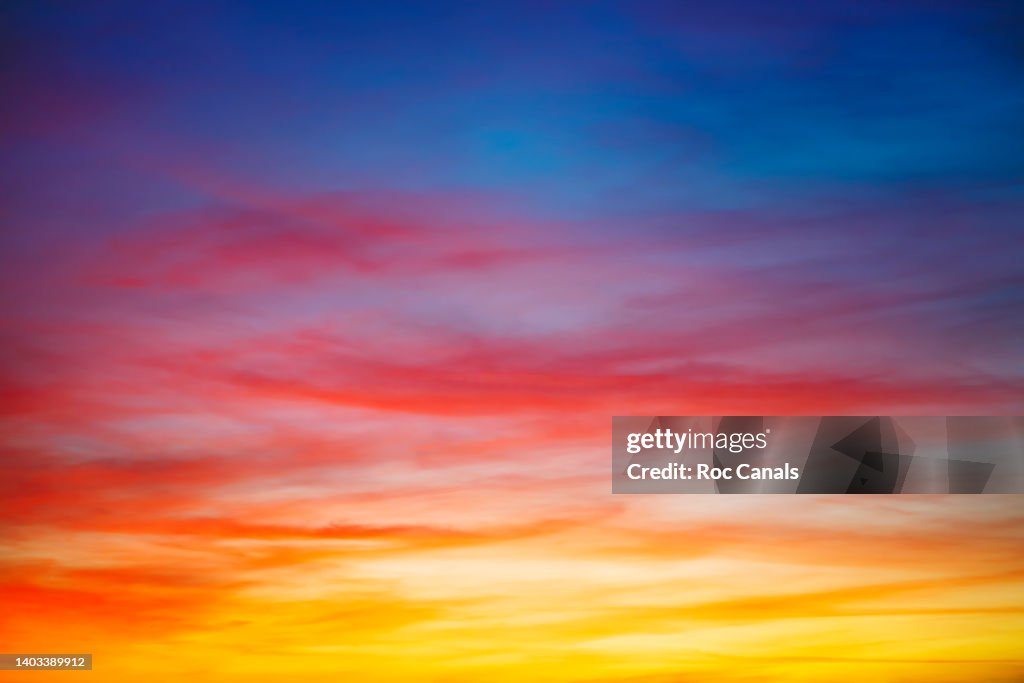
(583, 105)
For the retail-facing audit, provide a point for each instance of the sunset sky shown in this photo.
(314, 317)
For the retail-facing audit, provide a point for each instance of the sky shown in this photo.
(313, 317)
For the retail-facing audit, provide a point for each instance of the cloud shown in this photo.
(307, 369)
